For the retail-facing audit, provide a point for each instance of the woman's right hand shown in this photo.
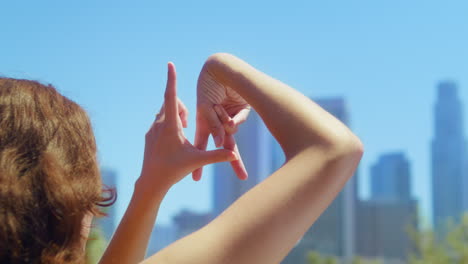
(169, 156)
(220, 111)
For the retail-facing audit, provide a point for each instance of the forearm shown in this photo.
(130, 241)
(263, 225)
(278, 104)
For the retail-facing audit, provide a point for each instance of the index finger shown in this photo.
(170, 96)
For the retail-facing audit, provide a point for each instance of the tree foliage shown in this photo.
(452, 249)
(360, 260)
(95, 246)
(314, 257)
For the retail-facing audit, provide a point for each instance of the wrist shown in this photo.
(226, 68)
(150, 190)
(217, 65)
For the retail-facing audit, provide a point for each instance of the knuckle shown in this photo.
(232, 130)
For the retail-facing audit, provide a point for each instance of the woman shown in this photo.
(260, 227)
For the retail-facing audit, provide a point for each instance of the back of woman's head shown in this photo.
(49, 176)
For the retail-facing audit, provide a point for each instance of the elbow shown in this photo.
(220, 56)
(354, 146)
(348, 148)
(217, 59)
(336, 147)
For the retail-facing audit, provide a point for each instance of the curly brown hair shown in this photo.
(49, 174)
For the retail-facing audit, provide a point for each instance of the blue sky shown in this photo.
(384, 57)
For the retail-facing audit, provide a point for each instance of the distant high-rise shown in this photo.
(384, 219)
(108, 223)
(187, 222)
(161, 237)
(253, 141)
(333, 232)
(390, 178)
(448, 157)
(382, 229)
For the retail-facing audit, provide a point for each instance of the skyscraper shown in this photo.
(187, 222)
(390, 178)
(333, 232)
(108, 223)
(382, 229)
(254, 142)
(448, 157)
(384, 219)
(161, 237)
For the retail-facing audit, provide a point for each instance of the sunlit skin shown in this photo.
(86, 229)
(264, 224)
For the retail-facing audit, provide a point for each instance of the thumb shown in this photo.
(203, 158)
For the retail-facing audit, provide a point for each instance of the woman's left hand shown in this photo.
(220, 111)
(169, 156)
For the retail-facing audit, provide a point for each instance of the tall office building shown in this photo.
(382, 229)
(187, 222)
(254, 143)
(449, 179)
(465, 182)
(161, 237)
(390, 178)
(382, 225)
(108, 223)
(333, 233)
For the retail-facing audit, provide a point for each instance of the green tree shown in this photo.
(314, 257)
(360, 260)
(451, 250)
(95, 246)
(330, 260)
